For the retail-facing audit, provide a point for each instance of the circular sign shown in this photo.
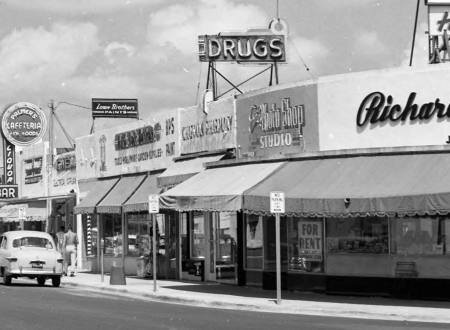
(23, 124)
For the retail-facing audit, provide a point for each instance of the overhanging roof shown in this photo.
(216, 189)
(382, 185)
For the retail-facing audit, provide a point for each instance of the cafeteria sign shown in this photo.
(23, 124)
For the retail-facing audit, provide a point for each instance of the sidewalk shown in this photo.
(254, 299)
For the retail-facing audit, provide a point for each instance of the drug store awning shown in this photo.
(91, 193)
(371, 185)
(120, 193)
(180, 171)
(139, 200)
(216, 189)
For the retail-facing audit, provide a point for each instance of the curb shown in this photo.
(300, 310)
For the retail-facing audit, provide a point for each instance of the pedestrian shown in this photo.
(60, 239)
(70, 244)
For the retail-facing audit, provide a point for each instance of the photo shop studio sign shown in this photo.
(115, 108)
(23, 124)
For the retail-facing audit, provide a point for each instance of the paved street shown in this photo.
(27, 306)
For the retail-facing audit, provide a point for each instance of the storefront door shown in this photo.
(225, 246)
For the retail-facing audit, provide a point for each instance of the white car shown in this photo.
(30, 254)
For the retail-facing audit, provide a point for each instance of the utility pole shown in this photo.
(50, 159)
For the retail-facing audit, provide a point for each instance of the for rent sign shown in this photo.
(310, 240)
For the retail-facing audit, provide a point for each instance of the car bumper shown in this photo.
(34, 272)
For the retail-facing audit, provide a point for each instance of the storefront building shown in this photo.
(113, 166)
(364, 174)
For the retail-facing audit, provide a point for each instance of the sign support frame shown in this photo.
(277, 206)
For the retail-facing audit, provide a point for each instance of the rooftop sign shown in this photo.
(115, 108)
(264, 47)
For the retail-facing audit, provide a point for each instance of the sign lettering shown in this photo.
(115, 108)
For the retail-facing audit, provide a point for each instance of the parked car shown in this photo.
(30, 254)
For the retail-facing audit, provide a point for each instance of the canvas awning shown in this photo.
(216, 189)
(180, 171)
(118, 195)
(382, 185)
(139, 200)
(91, 193)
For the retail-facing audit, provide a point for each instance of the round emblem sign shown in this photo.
(23, 123)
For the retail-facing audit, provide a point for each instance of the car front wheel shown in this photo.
(41, 280)
(7, 279)
(56, 281)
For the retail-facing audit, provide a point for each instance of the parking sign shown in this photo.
(277, 202)
(153, 203)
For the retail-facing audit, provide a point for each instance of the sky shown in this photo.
(75, 50)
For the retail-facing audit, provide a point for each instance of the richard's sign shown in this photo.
(242, 48)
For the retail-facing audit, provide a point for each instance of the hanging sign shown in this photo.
(23, 124)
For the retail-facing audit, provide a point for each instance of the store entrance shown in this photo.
(225, 247)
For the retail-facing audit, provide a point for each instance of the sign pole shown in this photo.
(278, 256)
(154, 252)
(153, 209)
(277, 206)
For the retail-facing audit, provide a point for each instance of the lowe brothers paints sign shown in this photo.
(145, 145)
(277, 122)
(208, 132)
(385, 109)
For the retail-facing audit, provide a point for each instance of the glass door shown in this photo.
(225, 224)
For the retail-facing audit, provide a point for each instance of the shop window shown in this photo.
(112, 234)
(419, 236)
(357, 235)
(198, 243)
(305, 245)
(138, 234)
(254, 251)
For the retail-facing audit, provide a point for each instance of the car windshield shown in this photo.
(41, 242)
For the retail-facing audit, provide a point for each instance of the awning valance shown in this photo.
(180, 171)
(382, 185)
(91, 193)
(121, 192)
(216, 189)
(139, 201)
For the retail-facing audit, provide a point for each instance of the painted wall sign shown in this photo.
(208, 132)
(278, 122)
(378, 108)
(86, 157)
(310, 240)
(64, 174)
(388, 108)
(115, 108)
(23, 124)
(140, 146)
(242, 48)
(33, 170)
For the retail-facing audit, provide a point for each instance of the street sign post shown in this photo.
(277, 206)
(153, 209)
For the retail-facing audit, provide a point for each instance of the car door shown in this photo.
(3, 245)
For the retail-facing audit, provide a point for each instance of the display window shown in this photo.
(305, 245)
(357, 235)
(140, 232)
(420, 236)
(112, 234)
